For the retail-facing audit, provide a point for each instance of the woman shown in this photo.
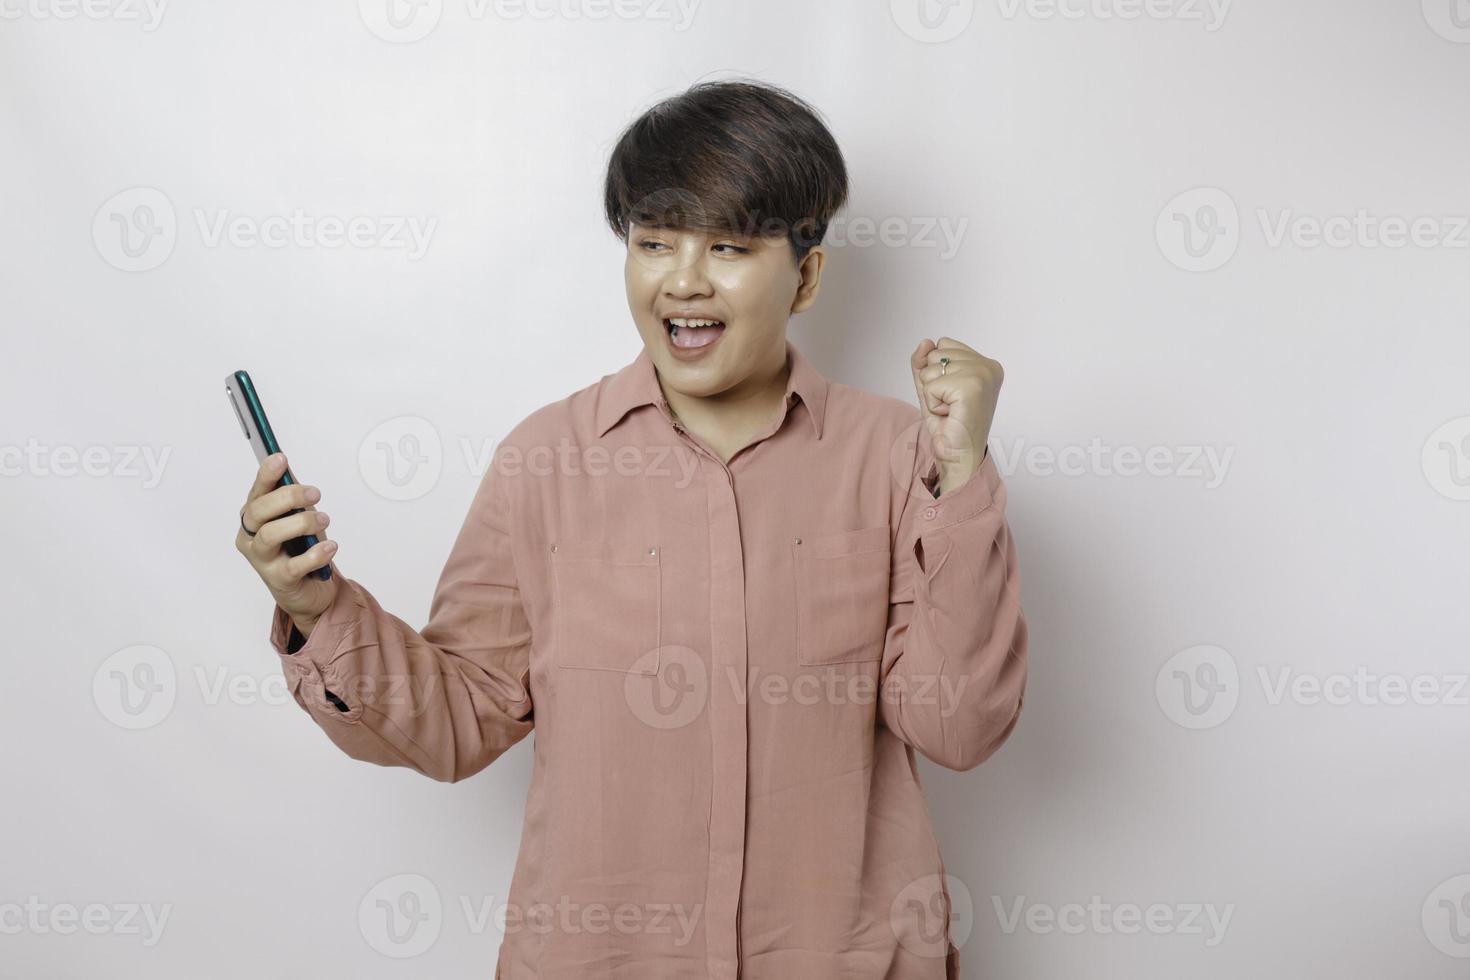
(732, 597)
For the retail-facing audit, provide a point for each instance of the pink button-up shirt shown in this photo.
(728, 666)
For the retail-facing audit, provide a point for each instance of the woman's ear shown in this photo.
(810, 275)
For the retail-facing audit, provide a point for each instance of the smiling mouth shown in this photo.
(693, 334)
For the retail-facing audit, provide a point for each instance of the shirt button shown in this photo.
(929, 513)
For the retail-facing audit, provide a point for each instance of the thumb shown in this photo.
(918, 360)
(933, 424)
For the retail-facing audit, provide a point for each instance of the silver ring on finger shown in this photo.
(248, 533)
(943, 363)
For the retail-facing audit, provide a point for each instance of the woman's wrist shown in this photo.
(304, 625)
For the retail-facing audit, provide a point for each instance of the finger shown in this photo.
(949, 343)
(242, 536)
(309, 560)
(917, 361)
(937, 394)
(955, 355)
(267, 475)
(274, 533)
(278, 502)
(948, 371)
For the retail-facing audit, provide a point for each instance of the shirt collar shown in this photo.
(637, 384)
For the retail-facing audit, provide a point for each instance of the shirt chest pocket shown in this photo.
(841, 584)
(606, 606)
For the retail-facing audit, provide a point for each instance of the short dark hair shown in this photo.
(739, 156)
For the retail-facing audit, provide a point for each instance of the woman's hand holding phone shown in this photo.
(268, 512)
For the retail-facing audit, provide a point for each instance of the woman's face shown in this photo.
(751, 285)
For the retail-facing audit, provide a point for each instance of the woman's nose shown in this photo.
(689, 279)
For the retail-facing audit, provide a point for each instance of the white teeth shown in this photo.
(682, 322)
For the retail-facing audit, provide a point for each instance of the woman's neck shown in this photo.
(727, 422)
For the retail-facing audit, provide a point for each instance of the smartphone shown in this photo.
(257, 428)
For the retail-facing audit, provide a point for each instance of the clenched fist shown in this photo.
(958, 401)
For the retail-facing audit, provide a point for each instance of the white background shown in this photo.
(1332, 542)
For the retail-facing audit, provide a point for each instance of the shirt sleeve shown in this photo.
(446, 701)
(954, 659)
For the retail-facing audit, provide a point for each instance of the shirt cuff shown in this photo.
(964, 501)
(308, 658)
(322, 644)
